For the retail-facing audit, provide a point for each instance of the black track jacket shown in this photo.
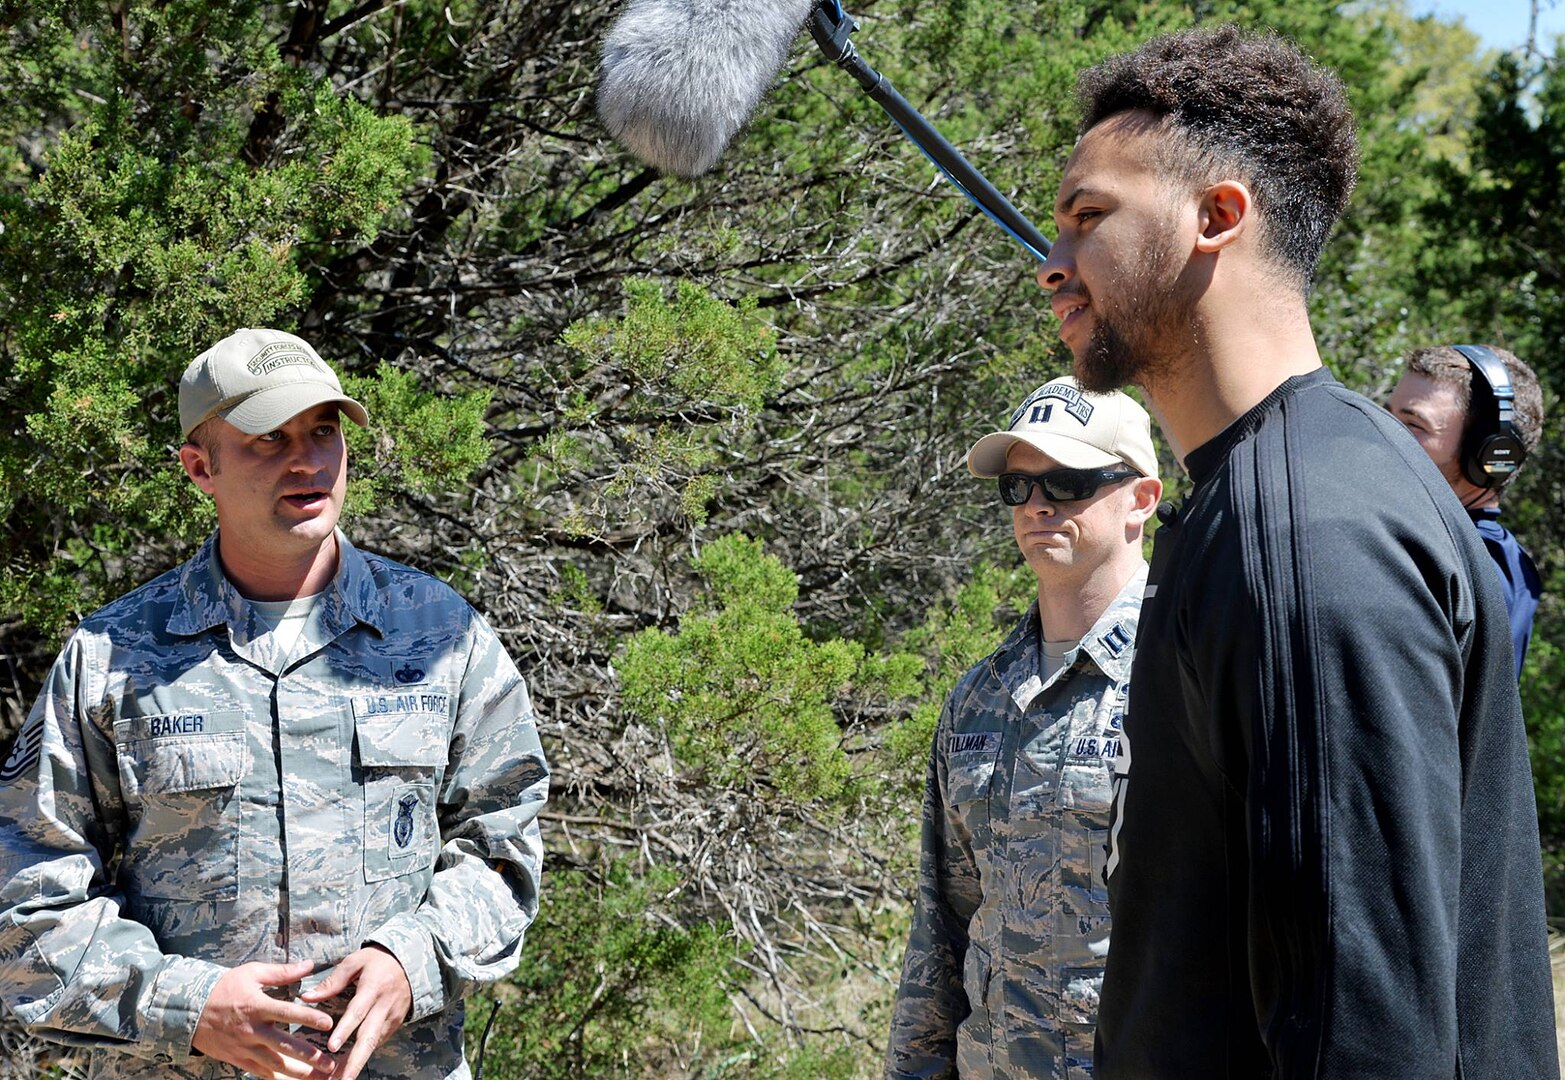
(1326, 860)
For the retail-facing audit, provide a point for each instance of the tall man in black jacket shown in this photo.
(1327, 847)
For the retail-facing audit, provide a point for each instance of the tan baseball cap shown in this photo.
(258, 380)
(1077, 429)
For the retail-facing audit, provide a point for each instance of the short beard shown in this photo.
(1138, 344)
(1110, 362)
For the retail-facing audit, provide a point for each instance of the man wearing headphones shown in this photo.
(1477, 412)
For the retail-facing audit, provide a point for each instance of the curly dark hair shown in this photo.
(1445, 365)
(1247, 107)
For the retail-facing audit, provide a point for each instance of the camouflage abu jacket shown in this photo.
(1011, 926)
(182, 799)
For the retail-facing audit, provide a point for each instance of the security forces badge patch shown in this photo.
(402, 828)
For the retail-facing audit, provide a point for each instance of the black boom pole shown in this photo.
(831, 27)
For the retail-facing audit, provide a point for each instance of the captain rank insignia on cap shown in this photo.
(1076, 404)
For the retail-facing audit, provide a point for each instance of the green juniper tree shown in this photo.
(694, 446)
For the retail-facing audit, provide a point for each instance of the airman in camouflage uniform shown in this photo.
(189, 794)
(1011, 923)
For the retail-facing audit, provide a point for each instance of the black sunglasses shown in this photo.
(1059, 485)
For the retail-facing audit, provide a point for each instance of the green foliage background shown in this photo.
(694, 446)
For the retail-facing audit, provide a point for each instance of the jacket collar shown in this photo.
(206, 598)
(1108, 645)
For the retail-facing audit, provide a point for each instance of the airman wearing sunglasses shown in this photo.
(1011, 926)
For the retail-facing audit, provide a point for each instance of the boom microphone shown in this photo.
(680, 77)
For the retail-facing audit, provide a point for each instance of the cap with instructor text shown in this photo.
(1077, 429)
(258, 380)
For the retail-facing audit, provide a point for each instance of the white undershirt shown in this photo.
(1054, 653)
(285, 619)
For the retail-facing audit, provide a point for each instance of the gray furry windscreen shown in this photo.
(681, 77)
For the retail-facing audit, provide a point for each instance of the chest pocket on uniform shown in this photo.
(179, 775)
(970, 764)
(970, 758)
(403, 745)
(968, 776)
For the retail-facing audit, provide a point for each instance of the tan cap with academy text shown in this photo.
(258, 380)
(1077, 429)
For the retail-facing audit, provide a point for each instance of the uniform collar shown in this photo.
(1108, 645)
(207, 598)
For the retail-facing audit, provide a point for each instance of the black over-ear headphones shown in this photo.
(1491, 449)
